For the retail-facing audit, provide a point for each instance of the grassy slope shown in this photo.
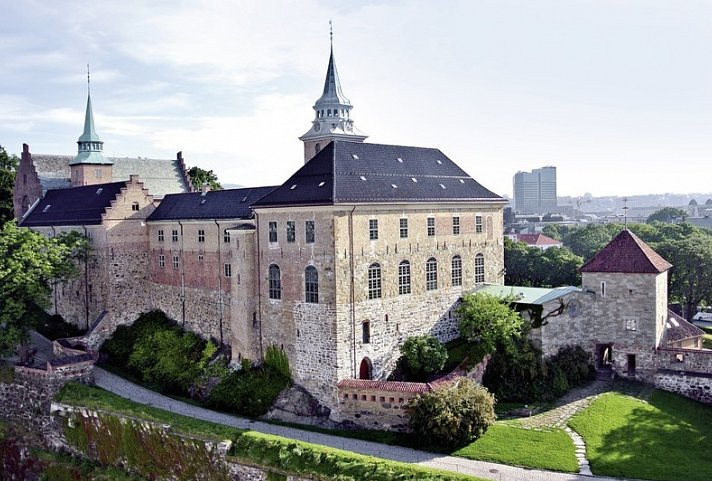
(666, 439)
(551, 450)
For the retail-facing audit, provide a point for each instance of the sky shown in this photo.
(617, 94)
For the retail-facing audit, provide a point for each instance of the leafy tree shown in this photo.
(452, 416)
(8, 165)
(421, 356)
(199, 177)
(690, 281)
(559, 267)
(586, 241)
(29, 263)
(666, 214)
(488, 320)
(529, 266)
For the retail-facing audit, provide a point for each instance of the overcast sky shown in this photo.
(616, 94)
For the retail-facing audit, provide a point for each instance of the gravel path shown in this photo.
(497, 472)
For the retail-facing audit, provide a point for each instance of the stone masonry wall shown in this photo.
(27, 187)
(694, 386)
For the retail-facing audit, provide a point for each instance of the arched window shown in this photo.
(275, 282)
(366, 332)
(374, 281)
(311, 285)
(404, 277)
(456, 271)
(479, 268)
(431, 274)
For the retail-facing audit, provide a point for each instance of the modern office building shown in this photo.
(535, 191)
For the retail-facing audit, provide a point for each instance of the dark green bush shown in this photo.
(576, 363)
(421, 356)
(277, 359)
(452, 416)
(118, 347)
(248, 392)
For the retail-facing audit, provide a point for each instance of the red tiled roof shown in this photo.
(414, 387)
(626, 253)
(537, 240)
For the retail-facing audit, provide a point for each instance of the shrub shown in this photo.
(576, 364)
(488, 320)
(421, 356)
(452, 416)
(119, 346)
(55, 327)
(248, 392)
(277, 359)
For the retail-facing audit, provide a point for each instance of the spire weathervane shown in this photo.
(331, 33)
(625, 213)
(88, 81)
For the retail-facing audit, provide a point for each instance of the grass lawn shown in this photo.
(707, 340)
(666, 439)
(551, 450)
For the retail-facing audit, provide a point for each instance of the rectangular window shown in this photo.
(90, 237)
(201, 257)
(456, 271)
(309, 231)
(226, 236)
(631, 325)
(404, 278)
(97, 173)
(161, 261)
(404, 228)
(478, 224)
(160, 235)
(603, 289)
(175, 262)
(291, 231)
(373, 229)
(273, 232)
(431, 274)
(228, 270)
(374, 281)
(456, 225)
(135, 207)
(174, 235)
(201, 235)
(431, 226)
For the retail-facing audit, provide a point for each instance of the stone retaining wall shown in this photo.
(687, 372)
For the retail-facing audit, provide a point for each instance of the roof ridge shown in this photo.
(626, 253)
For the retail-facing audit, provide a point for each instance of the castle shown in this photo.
(362, 247)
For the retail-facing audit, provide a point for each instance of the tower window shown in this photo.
(431, 226)
(366, 332)
(309, 231)
(226, 236)
(175, 262)
(273, 232)
(161, 260)
(311, 285)
(174, 235)
(373, 229)
(317, 148)
(201, 235)
(478, 224)
(291, 231)
(603, 289)
(97, 173)
(228, 270)
(134, 206)
(160, 235)
(456, 225)
(275, 282)
(403, 228)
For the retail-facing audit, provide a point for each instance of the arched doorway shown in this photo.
(365, 370)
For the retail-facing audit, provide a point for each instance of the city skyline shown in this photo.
(613, 94)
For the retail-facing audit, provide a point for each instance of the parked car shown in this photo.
(703, 318)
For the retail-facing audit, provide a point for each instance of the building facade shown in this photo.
(535, 191)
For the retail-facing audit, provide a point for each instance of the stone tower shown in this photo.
(332, 120)
(90, 166)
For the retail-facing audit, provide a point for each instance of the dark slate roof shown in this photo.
(216, 204)
(74, 206)
(354, 172)
(626, 253)
(678, 329)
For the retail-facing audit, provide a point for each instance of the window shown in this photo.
(311, 285)
(479, 268)
(161, 260)
(456, 225)
(291, 232)
(431, 274)
(404, 277)
(97, 173)
(273, 232)
(90, 237)
(201, 257)
(160, 235)
(317, 148)
(603, 289)
(374, 281)
(226, 236)
(366, 332)
(201, 235)
(309, 232)
(275, 282)
(631, 325)
(478, 224)
(373, 229)
(134, 206)
(175, 262)
(174, 235)
(431, 226)
(404, 228)
(457, 271)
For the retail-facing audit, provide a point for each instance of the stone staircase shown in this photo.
(604, 374)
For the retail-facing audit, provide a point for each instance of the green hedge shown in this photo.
(248, 392)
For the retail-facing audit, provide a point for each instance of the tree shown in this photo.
(29, 263)
(530, 266)
(488, 320)
(8, 165)
(666, 214)
(421, 356)
(452, 416)
(200, 177)
(691, 275)
(586, 241)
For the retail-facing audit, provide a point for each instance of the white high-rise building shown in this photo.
(535, 191)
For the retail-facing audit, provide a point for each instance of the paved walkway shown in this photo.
(496, 472)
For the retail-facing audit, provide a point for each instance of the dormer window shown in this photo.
(134, 206)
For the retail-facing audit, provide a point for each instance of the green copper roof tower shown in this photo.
(90, 145)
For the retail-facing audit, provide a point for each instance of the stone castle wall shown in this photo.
(27, 188)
